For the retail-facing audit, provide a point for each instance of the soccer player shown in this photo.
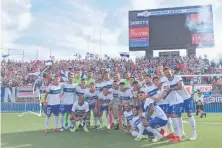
(80, 113)
(131, 80)
(137, 129)
(160, 100)
(67, 100)
(140, 78)
(136, 88)
(155, 117)
(116, 104)
(126, 79)
(89, 78)
(176, 84)
(52, 103)
(78, 78)
(81, 89)
(99, 84)
(128, 114)
(107, 81)
(126, 97)
(91, 95)
(150, 89)
(105, 103)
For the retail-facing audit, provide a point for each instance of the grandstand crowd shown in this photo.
(17, 73)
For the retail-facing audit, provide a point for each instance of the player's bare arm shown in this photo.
(178, 87)
(84, 116)
(151, 111)
(161, 97)
(45, 98)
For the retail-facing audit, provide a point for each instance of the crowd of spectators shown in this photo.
(16, 73)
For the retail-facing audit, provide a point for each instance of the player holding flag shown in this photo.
(67, 99)
(52, 103)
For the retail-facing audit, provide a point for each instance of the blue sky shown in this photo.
(69, 26)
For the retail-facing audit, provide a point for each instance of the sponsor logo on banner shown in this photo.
(139, 42)
(215, 99)
(139, 23)
(202, 38)
(139, 32)
(189, 89)
(170, 53)
(26, 91)
(203, 28)
(143, 14)
(201, 19)
(206, 90)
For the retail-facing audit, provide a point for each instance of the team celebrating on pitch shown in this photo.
(142, 106)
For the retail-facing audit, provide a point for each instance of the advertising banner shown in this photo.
(139, 42)
(169, 53)
(26, 91)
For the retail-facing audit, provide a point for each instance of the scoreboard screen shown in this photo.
(171, 28)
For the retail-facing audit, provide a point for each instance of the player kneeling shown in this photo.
(155, 117)
(138, 130)
(80, 113)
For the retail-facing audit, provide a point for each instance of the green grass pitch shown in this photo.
(28, 132)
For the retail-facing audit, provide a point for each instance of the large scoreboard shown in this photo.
(171, 28)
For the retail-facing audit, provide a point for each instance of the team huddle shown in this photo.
(143, 106)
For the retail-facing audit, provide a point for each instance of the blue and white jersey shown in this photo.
(160, 92)
(91, 97)
(80, 90)
(80, 109)
(68, 93)
(163, 79)
(137, 122)
(158, 112)
(116, 96)
(105, 99)
(174, 82)
(151, 90)
(107, 83)
(128, 115)
(99, 87)
(54, 93)
(126, 96)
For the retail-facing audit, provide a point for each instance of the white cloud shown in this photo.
(66, 32)
(16, 17)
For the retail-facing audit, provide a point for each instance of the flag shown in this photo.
(107, 57)
(35, 63)
(25, 91)
(124, 54)
(63, 75)
(52, 58)
(48, 62)
(35, 74)
(5, 55)
(88, 54)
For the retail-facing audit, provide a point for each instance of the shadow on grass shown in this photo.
(66, 139)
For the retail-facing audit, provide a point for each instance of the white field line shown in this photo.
(212, 123)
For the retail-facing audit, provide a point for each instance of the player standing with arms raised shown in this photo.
(52, 103)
